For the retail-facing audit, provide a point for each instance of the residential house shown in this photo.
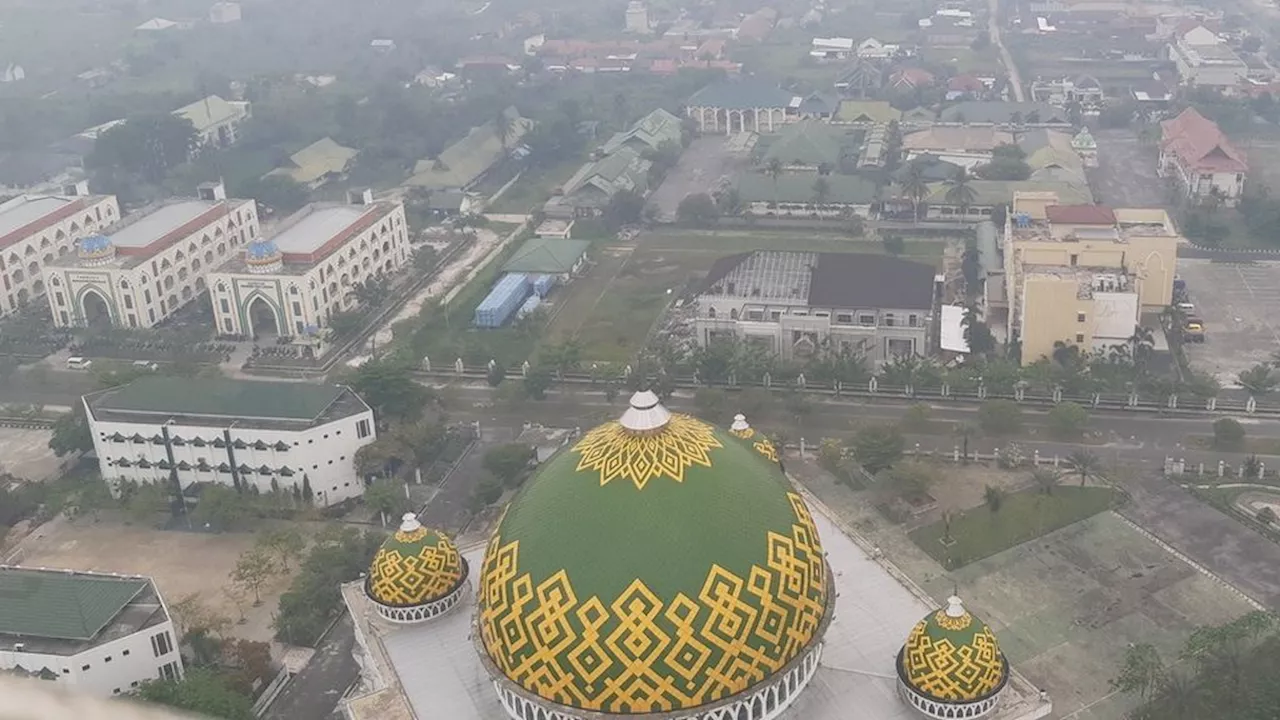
(946, 31)
(808, 145)
(757, 26)
(1195, 153)
(216, 121)
(636, 19)
(317, 163)
(798, 195)
(1151, 93)
(463, 163)
(222, 13)
(450, 203)
(867, 112)
(911, 78)
(968, 146)
(740, 105)
(1204, 60)
(558, 256)
(1080, 274)
(965, 87)
(1084, 90)
(589, 190)
(798, 304)
(835, 48)
(647, 134)
(987, 196)
(862, 79)
(998, 112)
(1051, 156)
(816, 106)
(873, 49)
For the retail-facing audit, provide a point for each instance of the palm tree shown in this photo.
(821, 191)
(915, 187)
(504, 128)
(1084, 463)
(1045, 480)
(994, 498)
(965, 431)
(960, 191)
(1141, 343)
(774, 170)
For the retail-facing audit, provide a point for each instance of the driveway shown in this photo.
(1126, 172)
(707, 162)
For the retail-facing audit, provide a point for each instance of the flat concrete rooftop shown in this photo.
(318, 226)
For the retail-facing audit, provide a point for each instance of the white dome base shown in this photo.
(947, 711)
(766, 703)
(420, 613)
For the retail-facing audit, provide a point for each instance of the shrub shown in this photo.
(1228, 434)
(1000, 417)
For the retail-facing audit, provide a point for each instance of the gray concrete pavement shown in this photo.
(1126, 172)
(1240, 305)
(313, 694)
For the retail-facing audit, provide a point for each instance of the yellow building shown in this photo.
(1082, 274)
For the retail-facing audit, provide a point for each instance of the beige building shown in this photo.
(1081, 274)
(35, 230)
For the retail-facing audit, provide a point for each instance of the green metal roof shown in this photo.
(653, 130)
(61, 605)
(1000, 192)
(810, 142)
(741, 94)
(220, 397)
(798, 188)
(877, 111)
(547, 255)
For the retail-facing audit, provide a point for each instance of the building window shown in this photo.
(226, 306)
(913, 321)
(711, 313)
(84, 667)
(1075, 260)
(146, 295)
(755, 314)
(888, 320)
(124, 652)
(107, 659)
(297, 309)
(362, 429)
(844, 318)
(1079, 317)
(57, 297)
(1079, 337)
(128, 302)
(161, 644)
(867, 320)
(169, 671)
(63, 316)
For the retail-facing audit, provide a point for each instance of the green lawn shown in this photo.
(535, 187)
(979, 533)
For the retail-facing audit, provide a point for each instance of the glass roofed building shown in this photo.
(657, 568)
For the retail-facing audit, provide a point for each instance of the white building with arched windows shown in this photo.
(294, 279)
(35, 230)
(142, 269)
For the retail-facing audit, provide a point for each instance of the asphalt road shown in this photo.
(313, 694)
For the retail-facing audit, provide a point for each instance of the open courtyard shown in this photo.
(1065, 605)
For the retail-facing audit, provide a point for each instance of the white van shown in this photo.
(145, 365)
(78, 363)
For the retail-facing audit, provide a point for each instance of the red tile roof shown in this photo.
(911, 77)
(43, 223)
(965, 83)
(1080, 214)
(1199, 145)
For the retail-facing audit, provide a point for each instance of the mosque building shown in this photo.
(662, 568)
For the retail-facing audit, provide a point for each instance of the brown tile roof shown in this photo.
(1080, 214)
(1200, 145)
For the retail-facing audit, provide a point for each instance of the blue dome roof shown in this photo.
(95, 243)
(261, 250)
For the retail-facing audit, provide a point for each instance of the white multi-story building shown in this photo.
(637, 18)
(137, 272)
(1204, 60)
(292, 282)
(98, 633)
(36, 230)
(266, 436)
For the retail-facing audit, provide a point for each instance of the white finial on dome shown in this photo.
(955, 608)
(646, 413)
(409, 522)
(739, 423)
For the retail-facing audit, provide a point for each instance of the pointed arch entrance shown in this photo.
(263, 318)
(94, 309)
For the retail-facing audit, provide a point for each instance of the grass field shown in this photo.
(535, 187)
(611, 310)
(979, 533)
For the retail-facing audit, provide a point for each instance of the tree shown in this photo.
(821, 192)
(281, 193)
(774, 170)
(712, 404)
(910, 477)
(1000, 417)
(1084, 463)
(877, 447)
(993, 497)
(71, 432)
(504, 128)
(1142, 671)
(916, 419)
(495, 375)
(146, 501)
(915, 187)
(1228, 434)
(894, 244)
(625, 207)
(201, 691)
(1266, 515)
(965, 432)
(1004, 169)
(253, 569)
(390, 390)
(1045, 480)
(148, 146)
(338, 554)
(960, 191)
(1259, 379)
(1068, 420)
(387, 497)
(508, 462)
(219, 508)
(697, 210)
(977, 334)
(536, 382)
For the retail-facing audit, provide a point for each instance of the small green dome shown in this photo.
(415, 566)
(952, 656)
(658, 565)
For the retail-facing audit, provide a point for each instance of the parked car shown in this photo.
(78, 363)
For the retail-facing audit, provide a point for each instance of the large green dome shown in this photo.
(659, 564)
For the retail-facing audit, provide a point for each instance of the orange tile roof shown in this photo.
(1200, 145)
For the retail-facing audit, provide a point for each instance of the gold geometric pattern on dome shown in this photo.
(640, 652)
(617, 453)
(955, 624)
(401, 580)
(409, 536)
(944, 671)
(744, 434)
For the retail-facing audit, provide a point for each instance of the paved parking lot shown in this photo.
(707, 162)
(1126, 172)
(1240, 305)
